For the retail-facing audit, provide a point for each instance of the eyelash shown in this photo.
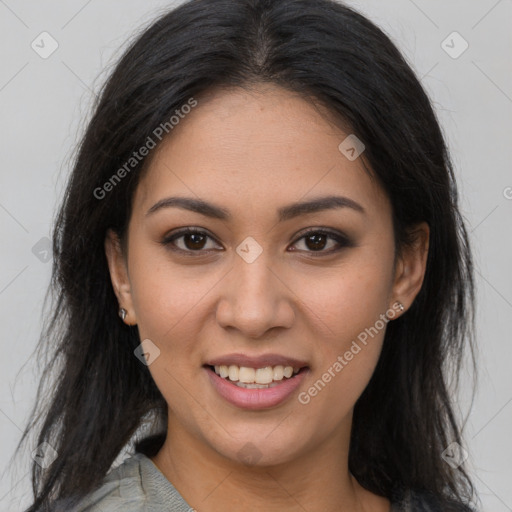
(342, 241)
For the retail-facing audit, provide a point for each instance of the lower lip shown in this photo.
(255, 399)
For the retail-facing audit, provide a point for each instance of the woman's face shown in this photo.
(265, 282)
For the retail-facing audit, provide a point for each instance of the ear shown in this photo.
(411, 265)
(119, 275)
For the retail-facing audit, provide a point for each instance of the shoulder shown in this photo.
(121, 489)
(136, 485)
(416, 500)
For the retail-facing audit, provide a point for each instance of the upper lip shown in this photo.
(260, 361)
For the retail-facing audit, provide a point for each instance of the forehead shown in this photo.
(256, 147)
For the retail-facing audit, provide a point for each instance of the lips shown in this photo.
(242, 395)
(260, 361)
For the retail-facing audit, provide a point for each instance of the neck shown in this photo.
(317, 480)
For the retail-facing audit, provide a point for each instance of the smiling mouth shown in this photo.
(256, 378)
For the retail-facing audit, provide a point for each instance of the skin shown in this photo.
(252, 152)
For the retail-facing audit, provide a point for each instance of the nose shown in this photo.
(255, 299)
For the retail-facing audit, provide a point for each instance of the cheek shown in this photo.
(346, 312)
(170, 305)
(346, 300)
(165, 297)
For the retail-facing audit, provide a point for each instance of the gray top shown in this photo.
(137, 485)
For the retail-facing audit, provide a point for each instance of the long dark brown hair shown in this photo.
(95, 394)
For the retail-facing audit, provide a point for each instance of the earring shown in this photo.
(401, 306)
(122, 313)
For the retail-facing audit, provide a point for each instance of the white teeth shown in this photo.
(264, 375)
(256, 386)
(278, 373)
(247, 375)
(233, 373)
(255, 377)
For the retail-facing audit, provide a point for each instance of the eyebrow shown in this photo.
(284, 213)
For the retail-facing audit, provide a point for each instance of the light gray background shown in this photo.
(44, 103)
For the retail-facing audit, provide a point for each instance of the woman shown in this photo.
(262, 277)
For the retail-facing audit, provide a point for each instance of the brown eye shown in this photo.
(316, 241)
(189, 240)
(323, 242)
(194, 241)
